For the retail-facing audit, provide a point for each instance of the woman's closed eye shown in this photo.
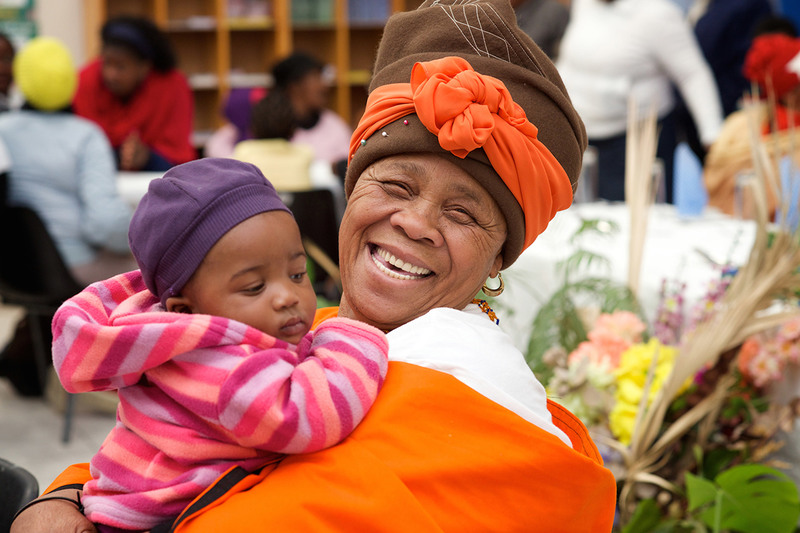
(397, 188)
(461, 215)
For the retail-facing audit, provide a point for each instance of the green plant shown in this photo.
(748, 498)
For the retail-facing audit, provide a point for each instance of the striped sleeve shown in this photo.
(303, 401)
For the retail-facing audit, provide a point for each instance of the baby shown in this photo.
(209, 347)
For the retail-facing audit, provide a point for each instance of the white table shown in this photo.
(133, 185)
(672, 250)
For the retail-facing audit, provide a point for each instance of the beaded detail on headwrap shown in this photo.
(468, 110)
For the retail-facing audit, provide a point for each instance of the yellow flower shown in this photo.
(629, 391)
(631, 378)
(621, 420)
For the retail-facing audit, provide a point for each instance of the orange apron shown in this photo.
(432, 455)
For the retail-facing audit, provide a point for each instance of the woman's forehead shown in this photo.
(121, 52)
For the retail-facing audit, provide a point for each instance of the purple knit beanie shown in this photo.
(187, 211)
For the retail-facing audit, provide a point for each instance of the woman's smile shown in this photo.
(394, 267)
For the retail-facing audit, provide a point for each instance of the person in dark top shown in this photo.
(724, 32)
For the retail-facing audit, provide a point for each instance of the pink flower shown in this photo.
(787, 351)
(765, 368)
(790, 331)
(609, 346)
(623, 325)
(597, 355)
(611, 336)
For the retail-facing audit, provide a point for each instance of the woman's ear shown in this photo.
(178, 304)
(498, 262)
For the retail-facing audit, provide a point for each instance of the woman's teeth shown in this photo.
(414, 272)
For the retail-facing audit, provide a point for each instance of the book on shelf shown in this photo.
(368, 11)
(312, 11)
(249, 14)
(249, 9)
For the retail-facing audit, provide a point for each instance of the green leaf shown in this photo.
(581, 259)
(608, 294)
(748, 498)
(718, 460)
(645, 518)
(595, 227)
(556, 324)
(699, 491)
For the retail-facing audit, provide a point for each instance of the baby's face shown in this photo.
(256, 274)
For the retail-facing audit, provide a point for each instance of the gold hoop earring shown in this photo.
(494, 292)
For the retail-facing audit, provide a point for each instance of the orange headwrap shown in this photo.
(467, 110)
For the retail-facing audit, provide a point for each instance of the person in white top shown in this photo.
(614, 50)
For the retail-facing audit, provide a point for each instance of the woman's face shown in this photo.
(309, 95)
(418, 233)
(123, 71)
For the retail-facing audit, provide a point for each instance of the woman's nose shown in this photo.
(419, 220)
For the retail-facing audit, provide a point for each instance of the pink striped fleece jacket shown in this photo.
(199, 394)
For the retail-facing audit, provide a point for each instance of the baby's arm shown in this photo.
(294, 402)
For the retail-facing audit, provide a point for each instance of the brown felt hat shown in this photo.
(485, 33)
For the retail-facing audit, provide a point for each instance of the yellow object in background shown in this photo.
(45, 74)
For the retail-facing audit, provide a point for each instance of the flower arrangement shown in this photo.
(682, 408)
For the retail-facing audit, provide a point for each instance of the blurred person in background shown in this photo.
(544, 21)
(300, 77)
(775, 24)
(614, 50)
(139, 98)
(724, 30)
(773, 65)
(286, 165)
(6, 60)
(73, 188)
(62, 167)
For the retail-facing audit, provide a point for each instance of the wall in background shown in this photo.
(63, 19)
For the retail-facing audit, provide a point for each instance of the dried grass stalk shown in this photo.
(640, 187)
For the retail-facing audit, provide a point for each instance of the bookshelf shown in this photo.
(222, 44)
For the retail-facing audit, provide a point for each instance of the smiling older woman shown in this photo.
(468, 147)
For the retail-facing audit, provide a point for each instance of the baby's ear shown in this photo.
(178, 304)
